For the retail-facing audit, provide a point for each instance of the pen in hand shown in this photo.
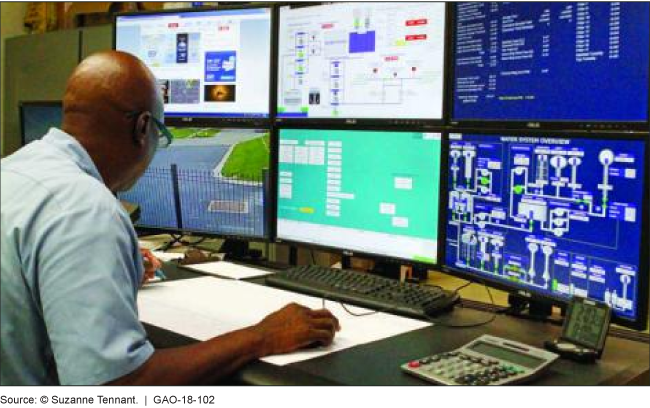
(160, 274)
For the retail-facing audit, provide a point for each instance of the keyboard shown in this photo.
(366, 290)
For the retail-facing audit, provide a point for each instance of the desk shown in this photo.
(624, 361)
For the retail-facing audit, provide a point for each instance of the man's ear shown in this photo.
(141, 127)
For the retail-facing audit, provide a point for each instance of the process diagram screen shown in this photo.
(375, 192)
(208, 64)
(557, 216)
(552, 61)
(362, 60)
(215, 175)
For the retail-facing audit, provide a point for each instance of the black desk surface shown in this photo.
(624, 361)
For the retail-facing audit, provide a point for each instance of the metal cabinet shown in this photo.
(95, 39)
(38, 66)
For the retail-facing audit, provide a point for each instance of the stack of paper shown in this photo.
(203, 308)
(229, 270)
(167, 256)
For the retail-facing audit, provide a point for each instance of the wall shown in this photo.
(11, 25)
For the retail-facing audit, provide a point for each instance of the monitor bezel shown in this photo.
(641, 320)
(413, 122)
(26, 104)
(269, 200)
(190, 121)
(377, 257)
(578, 125)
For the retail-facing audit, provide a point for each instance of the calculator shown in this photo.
(487, 360)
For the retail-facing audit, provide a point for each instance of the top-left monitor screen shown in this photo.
(209, 64)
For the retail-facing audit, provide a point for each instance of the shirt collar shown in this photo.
(70, 147)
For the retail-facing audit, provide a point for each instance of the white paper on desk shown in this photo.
(203, 308)
(150, 245)
(155, 279)
(229, 270)
(167, 256)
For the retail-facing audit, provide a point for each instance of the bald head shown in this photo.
(112, 80)
(101, 100)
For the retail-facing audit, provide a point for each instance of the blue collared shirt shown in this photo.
(71, 268)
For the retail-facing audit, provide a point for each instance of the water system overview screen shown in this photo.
(209, 63)
(556, 216)
(552, 61)
(362, 60)
(366, 191)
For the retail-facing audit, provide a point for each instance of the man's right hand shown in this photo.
(286, 330)
(294, 327)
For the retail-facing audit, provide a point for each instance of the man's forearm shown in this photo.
(200, 363)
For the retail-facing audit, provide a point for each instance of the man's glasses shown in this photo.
(165, 137)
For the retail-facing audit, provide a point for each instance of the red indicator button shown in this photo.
(414, 364)
(416, 37)
(418, 22)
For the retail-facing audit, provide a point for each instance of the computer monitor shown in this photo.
(362, 61)
(558, 65)
(209, 181)
(37, 117)
(360, 192)
(209, 63)
(552, 216)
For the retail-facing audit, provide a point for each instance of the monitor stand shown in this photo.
(346, 262)
(175, 239)
(293, 256)
(178, 239)
(390, 270)
(525, 308)
(235, 250)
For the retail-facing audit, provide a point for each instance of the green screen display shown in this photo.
(502, 353)
(347, 189)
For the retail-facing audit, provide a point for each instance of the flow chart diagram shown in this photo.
(555, 215)
(361, 60)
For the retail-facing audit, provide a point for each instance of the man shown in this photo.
(71, 265)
